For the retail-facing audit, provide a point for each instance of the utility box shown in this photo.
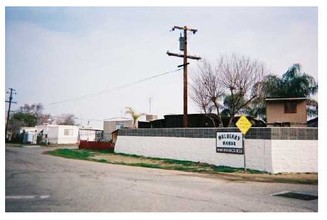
(181, 43)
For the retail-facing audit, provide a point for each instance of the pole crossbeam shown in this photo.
(185, 56)
(182, 55)
(184, 28)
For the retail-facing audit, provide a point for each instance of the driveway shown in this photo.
(36, 182)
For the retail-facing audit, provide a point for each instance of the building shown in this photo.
(286, 112)
(113, 124)
(28, 135)
(90, 134)
(151, 117)
(58, 134)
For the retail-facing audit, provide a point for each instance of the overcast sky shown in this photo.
(78, 60)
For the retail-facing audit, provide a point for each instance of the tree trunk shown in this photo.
(220, 123)
(230, 122)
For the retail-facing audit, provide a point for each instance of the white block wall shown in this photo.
(191, 149)
(296, 156)
(258, 154)
(272, 156)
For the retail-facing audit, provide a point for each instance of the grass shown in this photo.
(149, 161)
(72, 153)
(191, 165)
(226, 172)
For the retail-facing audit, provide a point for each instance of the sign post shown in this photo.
(244, 125)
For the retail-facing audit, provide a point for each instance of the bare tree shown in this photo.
(65, 119)
(34, 109)
(229, 86)
(37, 111)
(199, 96)
(44, 119)
(206, 89)
(240, 77)
(199, 92)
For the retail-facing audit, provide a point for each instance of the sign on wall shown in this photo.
(229, 142)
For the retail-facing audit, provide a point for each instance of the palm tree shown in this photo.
(293, 83)
(135, 116)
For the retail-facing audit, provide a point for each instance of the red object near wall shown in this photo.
(94, 145)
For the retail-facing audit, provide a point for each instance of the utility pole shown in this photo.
(150, 102)
(12, 91)
(183, 47)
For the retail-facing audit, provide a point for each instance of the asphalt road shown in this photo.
(36, 182)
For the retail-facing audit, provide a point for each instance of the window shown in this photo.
(68, 132)
(290, 107)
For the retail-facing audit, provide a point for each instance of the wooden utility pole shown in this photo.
(183, 47)
(150, 102)
(12, 91)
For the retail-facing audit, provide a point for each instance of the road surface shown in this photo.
(36, 182)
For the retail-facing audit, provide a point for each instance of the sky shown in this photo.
(86, 60)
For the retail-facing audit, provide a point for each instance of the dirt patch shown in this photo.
(119, 159)
(207, 171)
(301, 178)
(148, 162)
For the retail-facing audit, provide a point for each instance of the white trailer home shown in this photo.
(59, 134)
(90, 134)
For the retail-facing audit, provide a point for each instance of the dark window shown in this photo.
(290, 107)
(68, 132)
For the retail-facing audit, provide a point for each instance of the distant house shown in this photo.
(113, 124)
(58, 134)
(89, 134)
(286, 112)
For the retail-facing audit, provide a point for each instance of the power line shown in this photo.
(115, 89)
(145, 42)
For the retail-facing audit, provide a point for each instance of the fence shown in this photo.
(96, 145)
(272, 150)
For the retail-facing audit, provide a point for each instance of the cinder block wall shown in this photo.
(272, 150)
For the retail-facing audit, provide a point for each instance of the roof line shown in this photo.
(285, 98)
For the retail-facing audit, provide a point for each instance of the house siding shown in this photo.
(275, 113)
